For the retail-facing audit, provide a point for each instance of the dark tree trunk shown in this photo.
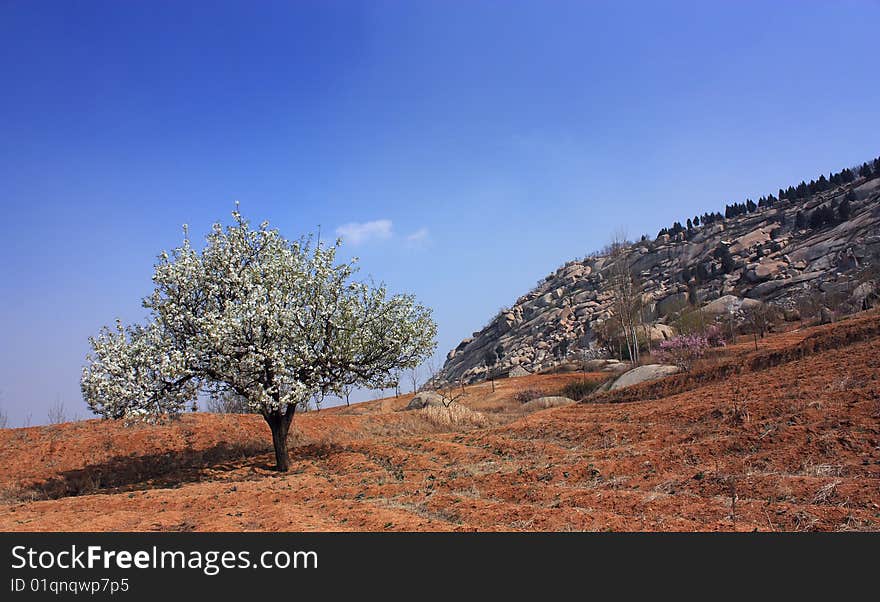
(279, 424)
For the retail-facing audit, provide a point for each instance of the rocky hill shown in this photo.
(769, 254)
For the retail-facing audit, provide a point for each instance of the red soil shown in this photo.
(786, 438)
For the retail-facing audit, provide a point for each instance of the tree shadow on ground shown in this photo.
(151, 471)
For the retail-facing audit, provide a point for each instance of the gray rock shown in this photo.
(672, 303)
(643, 374)
(424, 399)
(542, 403)
(517, 372)
(727, 304)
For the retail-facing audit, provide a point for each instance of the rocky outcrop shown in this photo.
(731, 264)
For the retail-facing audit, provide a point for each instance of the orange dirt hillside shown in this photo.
(783, 438)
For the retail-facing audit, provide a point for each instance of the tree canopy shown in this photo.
(271, 320)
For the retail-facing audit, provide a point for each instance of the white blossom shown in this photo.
(274, 321)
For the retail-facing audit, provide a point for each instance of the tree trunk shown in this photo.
(279, 424)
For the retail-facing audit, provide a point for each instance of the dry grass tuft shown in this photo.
(454, 415)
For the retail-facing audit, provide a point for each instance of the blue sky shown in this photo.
(466, 148)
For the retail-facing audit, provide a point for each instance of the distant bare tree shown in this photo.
(489, 361)
(228, 402)
(397, 374)
(433, 372)
(627, 305)
(450, 393)
(414, 378)
(760, 319)
(449, 390)
(345, 392)
(4, 417)
(56, 412)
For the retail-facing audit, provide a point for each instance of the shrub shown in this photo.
(714, 336)
(579, 389)
(527, 395)
(683, 350)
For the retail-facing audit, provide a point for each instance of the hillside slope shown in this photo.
(763, 255)
(789, 441)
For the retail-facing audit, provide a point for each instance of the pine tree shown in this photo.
(844, 210)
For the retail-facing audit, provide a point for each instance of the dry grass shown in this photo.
(453, 415)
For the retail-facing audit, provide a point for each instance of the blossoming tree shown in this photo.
(271, 320)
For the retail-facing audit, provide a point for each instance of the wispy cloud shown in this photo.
(420, 237)
(356, 233)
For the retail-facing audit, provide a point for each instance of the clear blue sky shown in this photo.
(499, 139)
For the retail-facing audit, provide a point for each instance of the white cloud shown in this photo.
(419, 237)
(356, 233)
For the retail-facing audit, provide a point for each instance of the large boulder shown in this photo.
(750, 240)
(729, 303)
(765, 271)
(542, 403)
(864, 291)
(672, 303)
(518, 371)
(425, 399)
(643, 374)
(660, 332)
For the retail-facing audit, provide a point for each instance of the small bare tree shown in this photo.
(345, 392)
(227, 402)
(397, 375)
(627, 304)
(449, 390)
(414, 378)
(56, 412)
(318, 399)
(433, 372)
(449, 393)
(759, 320)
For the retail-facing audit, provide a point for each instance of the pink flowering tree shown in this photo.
(683, 350)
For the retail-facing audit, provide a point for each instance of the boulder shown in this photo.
(764, 271)
(660, 332)
(771, 287)
(425, 399)
(672, 303)
(826, 316)
(517, 372)
(542, 403)
(863, 291)
(747, 241)
(727, 304)
(791, 315)
(643, 374)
